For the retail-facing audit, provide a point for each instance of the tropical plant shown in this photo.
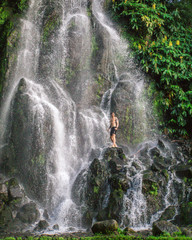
(162, 41)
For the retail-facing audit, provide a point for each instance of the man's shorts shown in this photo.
(113, 131)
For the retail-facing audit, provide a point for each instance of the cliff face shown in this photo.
(137, 190)
(155, 184)
(68, 68)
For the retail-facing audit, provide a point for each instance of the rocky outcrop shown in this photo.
(184, 218)
(17, 212)
(28, 213)
(25, 155)
(12, 198)
(161, 227)
(41, 226)
(102, 187)
(104, 184)
(105, 227)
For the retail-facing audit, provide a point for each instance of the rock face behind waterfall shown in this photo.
(105, 184)
(27, 160)
(68, 68)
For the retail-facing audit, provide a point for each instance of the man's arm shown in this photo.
(117, 122)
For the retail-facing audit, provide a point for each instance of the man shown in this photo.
(114, 124)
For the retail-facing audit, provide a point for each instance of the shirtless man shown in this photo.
(114, 124)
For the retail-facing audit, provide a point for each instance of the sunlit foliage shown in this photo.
(161, 35)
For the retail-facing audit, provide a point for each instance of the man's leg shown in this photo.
(111, 137)
(114, 141)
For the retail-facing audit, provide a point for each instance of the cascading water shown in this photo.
(63, 88)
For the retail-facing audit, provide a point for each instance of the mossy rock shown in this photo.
(183, 171)
(105, 227)
(185, 216)
(161, 227)
(6, 215)
(28, 213)
(3, 192)
(168, 214)
(42, 225)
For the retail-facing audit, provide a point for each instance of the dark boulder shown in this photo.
(16, 226)
(183, 171)
(128, 231)
(15, 190)
(105, 227)
(3, 192)
(184, 217)
(161, 227)
(42, 225)
(28, 213)
(102, 186)
(56, 227)
(154, 190)
(28, 161)
(169, 213)
(6, 215)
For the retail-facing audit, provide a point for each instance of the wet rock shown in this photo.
(16, 226)
(15, 189)
(28, 213)
(28, 161)
(161, 145)
(3, 192)
(161, 227)
(116, 155)
(102, 187)
(120, 181)
(136, 166)
(169, 213)
(42, 225)
(123, 103)
(12, 197)
(185, 215)
(105, 227)
(56, 227)
(128, 231)
(45, 214)
(155, 153)
(154, 190)
(183, 171)
(158, 165)
(5, 215)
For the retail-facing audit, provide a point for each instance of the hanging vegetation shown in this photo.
(9, 12)
(161, 36)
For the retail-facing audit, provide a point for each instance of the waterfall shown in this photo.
(67, 80)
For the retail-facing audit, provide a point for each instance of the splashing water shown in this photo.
(66, 117)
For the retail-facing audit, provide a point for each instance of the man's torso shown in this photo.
(114, 122)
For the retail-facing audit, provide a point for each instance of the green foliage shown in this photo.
(188, 181)
(100, 84)
(165, 236)
(49, 27)
(96, 189)
(9, 12)
(9, 238)
(8, 9)
(94, 46)
(163, 45)
(154, 190)
(69, 71)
